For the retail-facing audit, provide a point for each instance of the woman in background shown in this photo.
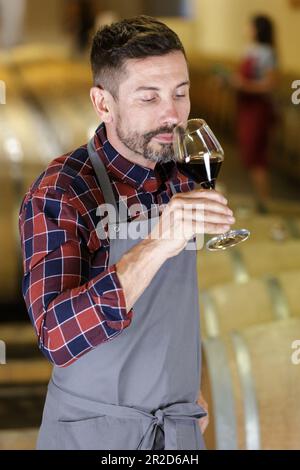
(255, 82)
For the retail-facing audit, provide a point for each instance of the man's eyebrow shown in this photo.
(187, 82)
(141, 88)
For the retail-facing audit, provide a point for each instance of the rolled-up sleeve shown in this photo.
(71, 312)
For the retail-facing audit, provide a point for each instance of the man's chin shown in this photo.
(159, 153)
(158, 158)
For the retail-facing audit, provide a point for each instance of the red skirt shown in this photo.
(255, 118)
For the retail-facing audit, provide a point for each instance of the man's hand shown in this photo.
(203, 422)
(187, 214)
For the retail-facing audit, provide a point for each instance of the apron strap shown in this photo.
(172, 188)
(104, 180)
(102, 175)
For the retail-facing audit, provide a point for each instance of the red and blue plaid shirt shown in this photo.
(74, 299)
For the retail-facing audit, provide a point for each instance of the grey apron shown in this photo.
(139, 389)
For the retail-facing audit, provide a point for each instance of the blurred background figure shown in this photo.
(83, 19)
(255, 83)
(12, 14)
(80, 19)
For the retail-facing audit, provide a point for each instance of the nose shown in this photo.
(170, 114)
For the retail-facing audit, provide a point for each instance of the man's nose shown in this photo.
(170, 115)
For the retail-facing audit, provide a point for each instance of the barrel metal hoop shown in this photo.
(279, 302)
(293, 227)
(239, 269)
(251, 413)
(210, 315)
(222, 394)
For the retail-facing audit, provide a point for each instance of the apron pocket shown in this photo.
(101, 433)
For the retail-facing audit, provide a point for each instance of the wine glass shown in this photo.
(199, 156)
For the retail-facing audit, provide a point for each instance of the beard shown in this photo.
(142, 145)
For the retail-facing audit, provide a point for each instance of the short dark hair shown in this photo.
(133, 38)
(264, 30)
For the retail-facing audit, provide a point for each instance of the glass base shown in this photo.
(227, 240)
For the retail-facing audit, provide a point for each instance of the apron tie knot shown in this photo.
(160, 418)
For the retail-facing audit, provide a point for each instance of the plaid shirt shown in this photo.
(74, 299)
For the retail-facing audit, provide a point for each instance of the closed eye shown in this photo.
(153, 99)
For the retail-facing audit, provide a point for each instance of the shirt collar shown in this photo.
(128, 172)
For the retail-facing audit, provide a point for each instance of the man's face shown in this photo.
(153, 99)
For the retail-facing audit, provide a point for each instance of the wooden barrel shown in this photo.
(59, 91)
(48, 115)
(8, 236)
(18, 333)
(26, 371)
(27, 142)
(251, 381)
(269, 227)
(244, 207)
(56, 77)
(234, 306)
(245, 261)
(22, 158)
(25, 364)
(48, 112)
(18, 439)
(23, 385)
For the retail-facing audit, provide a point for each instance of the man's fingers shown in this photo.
(209, 228)
(208, 217)
(203, 194)
(215, 229)
(200, 206)
(215, 218)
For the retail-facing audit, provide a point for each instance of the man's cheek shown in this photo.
(185, 111)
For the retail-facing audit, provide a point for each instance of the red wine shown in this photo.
(201, 171)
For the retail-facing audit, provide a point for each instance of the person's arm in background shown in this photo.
(262, 86)
(268, 81)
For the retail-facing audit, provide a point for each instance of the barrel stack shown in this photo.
(250, 321)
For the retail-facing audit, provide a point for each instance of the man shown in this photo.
(119, 316)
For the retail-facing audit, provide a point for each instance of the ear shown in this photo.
(100, 100)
